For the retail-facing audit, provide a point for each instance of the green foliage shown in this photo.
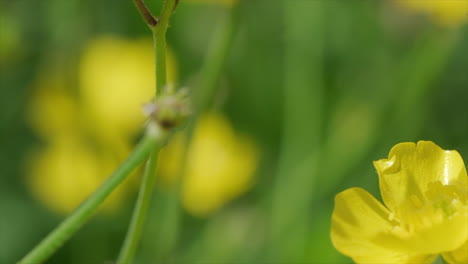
(324, 88)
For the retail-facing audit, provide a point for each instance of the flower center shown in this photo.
(439, 203)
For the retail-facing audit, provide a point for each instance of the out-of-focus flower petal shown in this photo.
(170, 159)
(220, 165)
(51, 109)
(64, 173)
(117, 77)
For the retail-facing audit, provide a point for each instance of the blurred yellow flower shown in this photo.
(220, 165)
(425, 212)
(117, 77)
(52, 110)
(63, 172)
(88, 135)
(67, 170)
(445, 12)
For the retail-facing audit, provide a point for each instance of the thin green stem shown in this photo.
(159, 36)
(160, 60)
(215, 60)
(302, 126)
(218, 50)
(82, 214)
(141, 210)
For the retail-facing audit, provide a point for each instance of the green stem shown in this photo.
(215, 60)
(160, 60)
(210, 72)
(81, 215)
(302, 127)
(145, 13)
(159, 36)
(141, 210)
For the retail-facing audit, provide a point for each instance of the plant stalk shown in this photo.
(140, 212)
(209, 76)
(81, 215)
(146, 13)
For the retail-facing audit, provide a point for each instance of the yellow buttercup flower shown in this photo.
(87, 136)
(220, 165)
(445, 12)
(51, 109)
(424, 212)
(67, 170)
(70, 166)
(117, 77)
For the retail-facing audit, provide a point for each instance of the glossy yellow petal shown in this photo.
(358, 223)
(411, 168)
(425, 190)
(459, 256)
(430, 229)
(117, 77)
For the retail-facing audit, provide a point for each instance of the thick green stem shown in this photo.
(81, 215)
(141, 209)
(133, 236)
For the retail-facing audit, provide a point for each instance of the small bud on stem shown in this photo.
(170, 109)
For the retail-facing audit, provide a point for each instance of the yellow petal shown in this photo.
(358, 221)
(411, 168)
(459, 256)
(431, 230)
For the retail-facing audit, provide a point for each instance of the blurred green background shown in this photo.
(323, 88)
